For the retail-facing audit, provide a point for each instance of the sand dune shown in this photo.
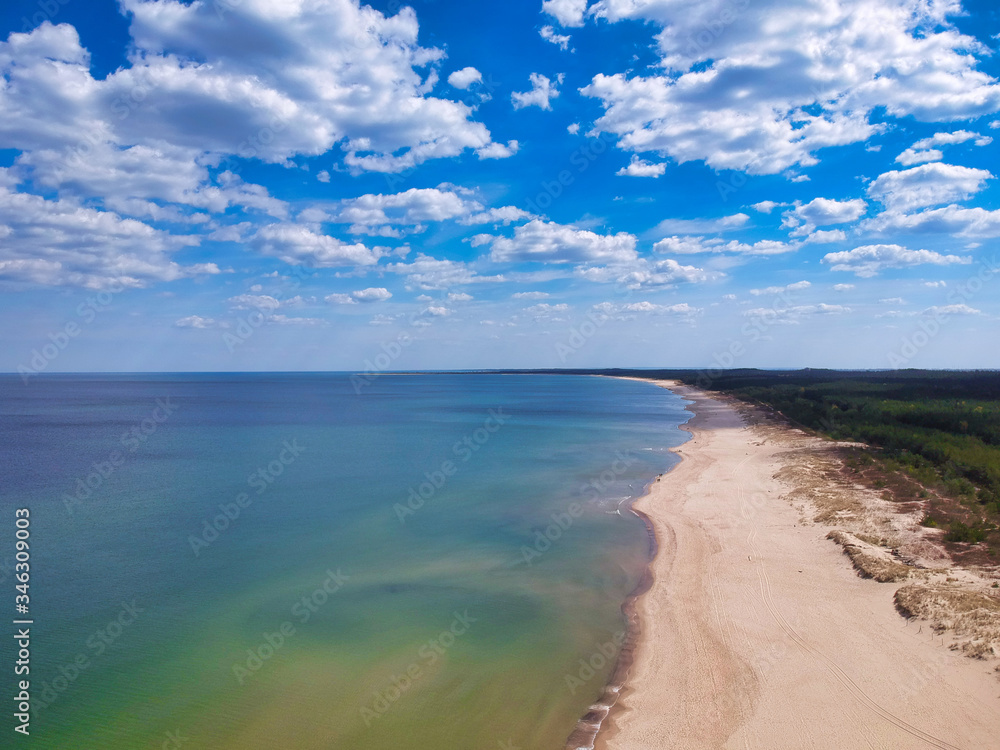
(758, 633)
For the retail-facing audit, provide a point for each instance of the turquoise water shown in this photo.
(265, 561)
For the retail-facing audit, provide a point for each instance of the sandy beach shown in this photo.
(757, 632)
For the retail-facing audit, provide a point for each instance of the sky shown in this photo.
(239, 185)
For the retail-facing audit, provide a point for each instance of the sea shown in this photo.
(315, 561)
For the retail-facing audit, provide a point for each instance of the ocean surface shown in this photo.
(278, 561)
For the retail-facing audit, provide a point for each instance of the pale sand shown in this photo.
(758, 633)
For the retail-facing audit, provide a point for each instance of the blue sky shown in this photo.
(324, 185)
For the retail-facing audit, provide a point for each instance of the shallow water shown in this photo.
(248, 567)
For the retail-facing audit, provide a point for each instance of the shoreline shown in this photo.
(592, 726)
(750, 628)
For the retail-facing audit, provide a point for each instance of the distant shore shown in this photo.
(754, 629)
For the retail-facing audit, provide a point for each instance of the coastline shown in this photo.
(752, 629)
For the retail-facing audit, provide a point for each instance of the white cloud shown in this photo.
(647, 274)
(701, 226)
(628, 311)
(462, 79)
(766, 207)
(958, 136)
(62, 243)
(372, 294)
(549, 242)
(909, 157)
(299, 245)
(954, 220)
(869, 260)
(573, 128)
(566, 12)
(260, 79)
(128, 180)
(549, 35)
(498, 150)
(542, 91)
(323, 176)
(459, 297)
(254, 302)
(195, 321)
(761, 87)
(935, 284)
(693, 245)
(544, 308)
(639, 168)
(793, 315)
(819, 212)
(530, 295)
(340, 299)
(824, 237)
(372, 213)
(924, 150)
(926, 185)
(796, 287)
(428, 273)
(502, 215)
(959, 309)
(843, 287)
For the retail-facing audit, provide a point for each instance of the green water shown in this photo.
(327, 612)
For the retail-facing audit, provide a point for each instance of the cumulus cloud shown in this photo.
(62, 243)
(639, 168)
(804, 218)
(549, 242)
(566, 12)
(501, 215)
(549, 35)
(643, 273)
(372, 294)
(701, 226)
(263, 80)
(543, 90)
(377, 213)
(766, 207)
(299, 245)
(869, 260)
(498, 150)
(397, 214)
(693, 245)
(926, 185)
(428, 273)
(796, 287)
(926, 150)
(254, 302)
(530, 295)
(959, 309)
(462, 79)
(955, 220)
(794, 314)
(761, 87)
(195, 321)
